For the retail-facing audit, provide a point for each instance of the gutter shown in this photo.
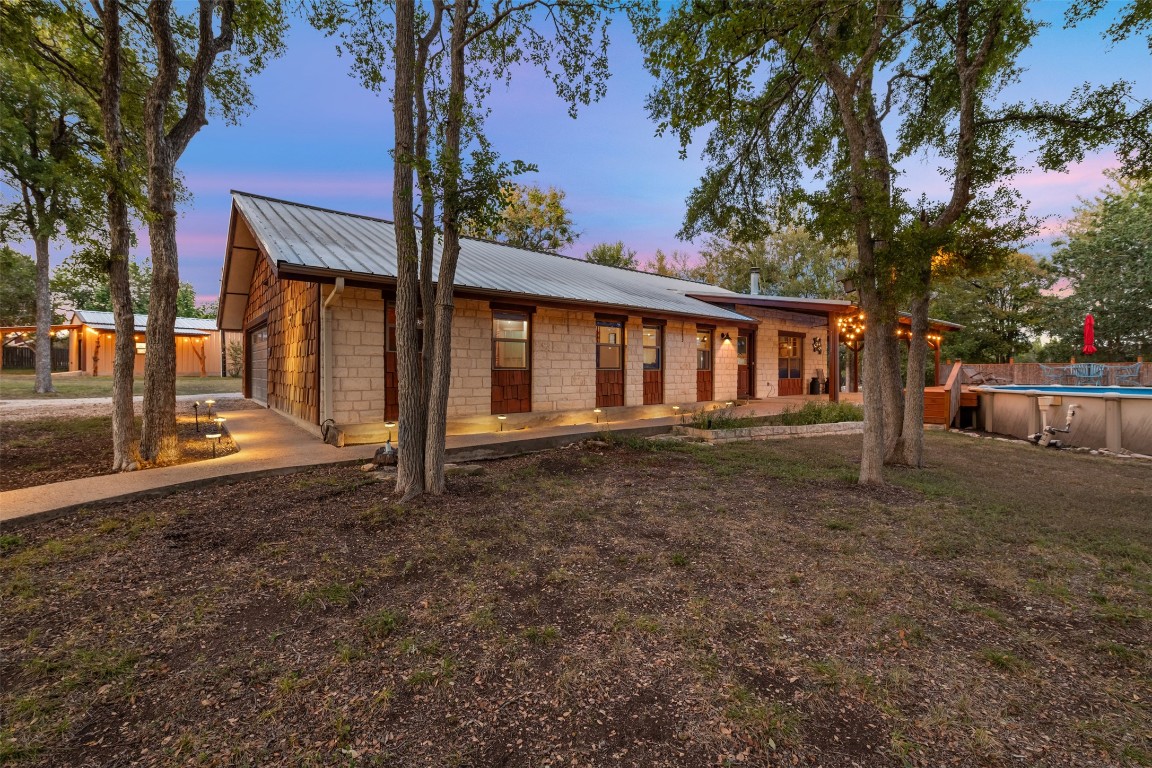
(327, 357)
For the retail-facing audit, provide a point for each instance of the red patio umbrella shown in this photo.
(1089, 335)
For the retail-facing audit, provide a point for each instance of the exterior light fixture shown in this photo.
(209, 403)
(196, 412)
(729, 404)
(390, 425)
(219, 423)
(725, 336)
(502, 418)
(215, 438)
(676, 409)
(597, 411)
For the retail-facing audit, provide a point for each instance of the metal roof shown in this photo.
(105, 321)
(295, 235)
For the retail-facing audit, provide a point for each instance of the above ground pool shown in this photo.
(1116, 418)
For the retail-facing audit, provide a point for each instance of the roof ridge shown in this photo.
(467, 237)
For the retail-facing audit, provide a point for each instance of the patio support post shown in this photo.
(833, 360)
(937, 374)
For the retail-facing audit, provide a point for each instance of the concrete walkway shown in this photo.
(32, 403)
(272, 445)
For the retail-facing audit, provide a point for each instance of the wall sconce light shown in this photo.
(817, 344)
(215, 438)
(502, 419)
(725, 336)
(597, 411)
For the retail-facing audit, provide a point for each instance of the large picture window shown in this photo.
(653, 347)
(510, 340)
(703, 350)
(609, 345)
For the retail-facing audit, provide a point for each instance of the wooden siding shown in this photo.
(703, 385)
(653, 387)
(936, 405)
(292, 310)
(511, 391)
(609, 388)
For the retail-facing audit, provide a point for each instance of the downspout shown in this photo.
(327, 357)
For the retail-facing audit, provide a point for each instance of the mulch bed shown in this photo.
(38, 451)
(597, 605)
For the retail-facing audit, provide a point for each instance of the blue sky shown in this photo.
(317, 137)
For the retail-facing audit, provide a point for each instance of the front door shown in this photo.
(791, 364)
(745, 365)
(703, 364)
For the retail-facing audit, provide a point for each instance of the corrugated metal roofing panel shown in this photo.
(106, 321)
(318, 238)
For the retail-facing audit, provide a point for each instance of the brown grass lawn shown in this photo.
(19, 385)
(630, 605)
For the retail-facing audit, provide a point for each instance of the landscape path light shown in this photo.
(215, 438)
(502, 418)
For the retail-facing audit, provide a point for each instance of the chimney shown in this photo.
(755, 291)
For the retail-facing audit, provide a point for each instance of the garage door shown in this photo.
(258, 364)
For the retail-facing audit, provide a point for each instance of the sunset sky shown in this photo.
(317, 137)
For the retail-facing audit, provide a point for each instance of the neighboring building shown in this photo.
(537, 337)
(91, 338)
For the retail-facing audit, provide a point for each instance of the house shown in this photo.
(90, 339)
(537, 337)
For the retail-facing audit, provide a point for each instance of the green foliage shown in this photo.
(78, 284)
(533, 218)
(17, 288)
(1107, 263)
(235, 358)
(1002, 311)
(811, 412)
(612, 255)
(792, 262)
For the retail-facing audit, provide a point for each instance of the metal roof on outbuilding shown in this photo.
(303, 238)
(105, 321)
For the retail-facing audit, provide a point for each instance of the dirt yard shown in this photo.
(631, 605)
(54, 443)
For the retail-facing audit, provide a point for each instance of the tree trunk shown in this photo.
(872, 451)
(43, 319)
(410, 463)
(124, 456)
(891, 388)
(912, 437)
(159, 444)
(445, 308)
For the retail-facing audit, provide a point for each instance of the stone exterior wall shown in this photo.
(357, 317)
(471, 388)
(768, 346)
(564, 360)
(680, 361)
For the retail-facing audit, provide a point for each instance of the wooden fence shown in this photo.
(1029, 373)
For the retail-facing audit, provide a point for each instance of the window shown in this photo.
(609, 344)
(741, 350)
(141, 347)
(703, 350)
(653, 347)
(510, 340)
(790, 356)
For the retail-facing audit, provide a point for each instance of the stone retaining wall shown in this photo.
(772, 431)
